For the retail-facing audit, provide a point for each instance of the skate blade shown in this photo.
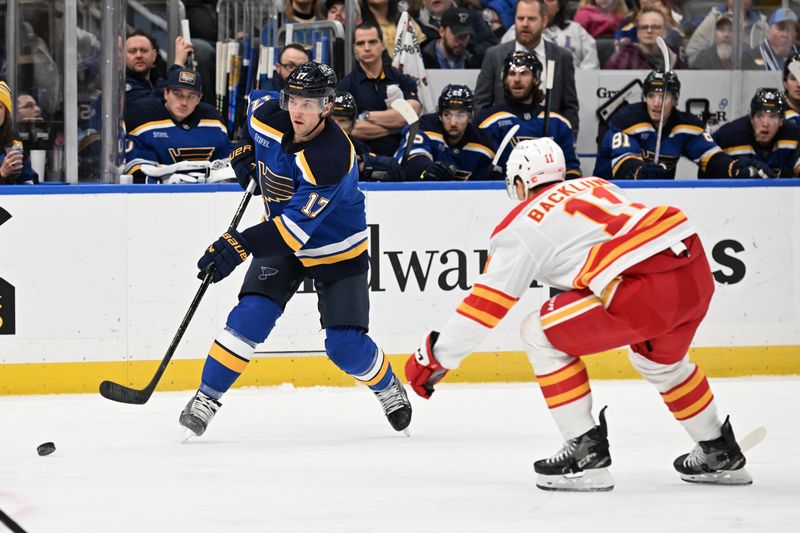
(593, 480)
(407, 432)
(186, 435)
(723, 477)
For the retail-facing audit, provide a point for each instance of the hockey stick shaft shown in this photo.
(506, 140)
(662, 45)
(121, 393)
(548, 91)
(412, 119)
(10, 523)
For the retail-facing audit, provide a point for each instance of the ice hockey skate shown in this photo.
(717, 462)
(198, 413)
(581, 465)
(396, 405)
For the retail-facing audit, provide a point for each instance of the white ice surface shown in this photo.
(325, 460)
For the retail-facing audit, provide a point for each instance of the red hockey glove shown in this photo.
(423, 371)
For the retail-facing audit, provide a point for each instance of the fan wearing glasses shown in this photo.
(289, 59)
(651, 23)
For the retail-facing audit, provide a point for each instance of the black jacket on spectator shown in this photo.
(564, 100)
(480, 43)
(431, 61)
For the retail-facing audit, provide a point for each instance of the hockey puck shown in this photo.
(45, 449)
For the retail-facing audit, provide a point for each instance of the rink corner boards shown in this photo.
(317, 370)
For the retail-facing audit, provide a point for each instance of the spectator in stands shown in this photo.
(180, 128)
(385, 14)
(375, 86)
(530, 21)
(600, 17)
(566, 34)
(301, 11)
(292, 55)
(763, 136)
(524, 107)
(627, 32)
(15, 165)
(629, 146)
(645, 54)
(504, 10)
(144, 78)
(28, 109)
(791, 88)
(431, 14)
(719, 55)
(450, 49)
(371, 167)
(778, 44)
(448, 146)
(334, 10)
(754, 24)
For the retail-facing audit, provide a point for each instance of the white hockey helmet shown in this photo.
(535, 162)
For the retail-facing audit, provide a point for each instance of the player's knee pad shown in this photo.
(542, 354)
(349, 348)
(254, 317)
(662, 376)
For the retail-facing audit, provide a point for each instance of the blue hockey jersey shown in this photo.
(631, 141)
(495, 122)
(314, 208)
(154, 137)
(470, 159)
(781, 155)
(792, 116)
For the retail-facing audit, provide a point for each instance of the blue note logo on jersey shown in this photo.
(267, 272)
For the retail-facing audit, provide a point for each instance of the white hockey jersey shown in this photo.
(576, 234)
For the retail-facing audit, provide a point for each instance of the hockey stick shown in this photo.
(10, 524)
(190, 61)
(410, 116)
(665, 56)
(548, 89)
(158, 171)
(507, 139)
(121, 393)
(753, 438)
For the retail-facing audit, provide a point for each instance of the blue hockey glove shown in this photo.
(652, 171)
(223, 256)
(749, 167)
(438, 171)
(382, 168)
(243, 161)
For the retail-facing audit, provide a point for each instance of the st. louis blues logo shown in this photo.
(267, 272)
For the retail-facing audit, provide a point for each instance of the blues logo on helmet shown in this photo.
(769, 100)
(310, 80)
(657, 81)
(456, 97)
(521, 60)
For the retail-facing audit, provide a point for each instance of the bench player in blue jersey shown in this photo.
(315, 226)
(523, 106)
(628, 148)
(448, 146)
(764, 135)
(178, 128)
(371, 167)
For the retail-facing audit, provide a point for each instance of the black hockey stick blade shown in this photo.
(123, 394)
(10, 523)
(4, 216)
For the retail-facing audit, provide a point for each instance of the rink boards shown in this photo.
(94, 281)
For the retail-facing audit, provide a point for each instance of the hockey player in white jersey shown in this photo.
(632, 275)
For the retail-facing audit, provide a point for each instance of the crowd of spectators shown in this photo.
(481, 35)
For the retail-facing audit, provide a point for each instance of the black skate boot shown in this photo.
(396, 405)
(581, 465)
(198, 413)
(719, 461)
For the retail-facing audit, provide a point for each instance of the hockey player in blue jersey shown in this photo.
(523, 106)
(178, 128)
(448, 146)
(628, 148)
(764, 135)
(791, 87)
(371, 167)
(315, 226)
